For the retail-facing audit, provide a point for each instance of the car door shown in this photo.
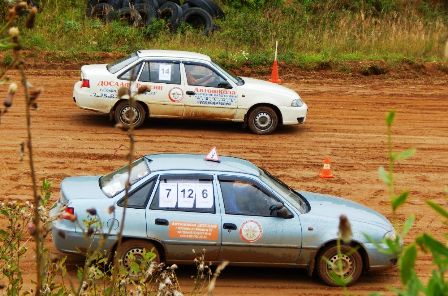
(251, 233)
(165, 95)
(183, 215)
(208, 94)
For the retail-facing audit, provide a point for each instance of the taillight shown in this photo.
(68, 214)
(85, 83)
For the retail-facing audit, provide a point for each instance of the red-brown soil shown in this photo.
(346, 122)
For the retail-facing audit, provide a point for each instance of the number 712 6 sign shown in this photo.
(186, 195)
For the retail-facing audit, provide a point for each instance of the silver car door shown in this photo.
(183, 216)
(251, 233)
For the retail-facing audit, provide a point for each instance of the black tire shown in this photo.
(130, 15)
(122, 114)
(351, 263)
(185, 7)
(172, 13)
(102, 11)
(219, 13)
(161, 2)
(136, 247)
(154, 3)
(147, 12)
(202, 4)
(262, 120)
(116, 4)
(199, 18)
(90, 5)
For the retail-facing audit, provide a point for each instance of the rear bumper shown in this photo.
(294, 115)
(69, 241)
(95, 100)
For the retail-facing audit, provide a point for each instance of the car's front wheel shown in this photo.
(141, 252)
(262, 120)
(335, 268)
(127, 114)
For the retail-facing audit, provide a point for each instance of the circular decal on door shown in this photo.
(176, 94)
(251, 231)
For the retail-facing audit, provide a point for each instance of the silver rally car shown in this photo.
(186, 85)
(232, 209)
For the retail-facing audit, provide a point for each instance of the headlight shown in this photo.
(390, 235)
(297, 103)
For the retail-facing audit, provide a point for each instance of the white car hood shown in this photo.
(251, 84)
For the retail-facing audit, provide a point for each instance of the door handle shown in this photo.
(161, 222)
(229, 226)
(190, 92)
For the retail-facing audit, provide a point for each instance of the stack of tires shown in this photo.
(197, 13)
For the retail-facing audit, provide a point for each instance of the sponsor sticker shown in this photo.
(251, 231)
(194, 231)
(176, 94)
(215, 97)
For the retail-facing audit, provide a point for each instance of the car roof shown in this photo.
(197, 162)
(172, 54)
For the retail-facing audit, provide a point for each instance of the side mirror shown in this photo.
(279, 210)
(225, 85)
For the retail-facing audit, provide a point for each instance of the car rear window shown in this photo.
(113, 183)
(120, 64)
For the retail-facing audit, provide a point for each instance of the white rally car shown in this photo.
(186, 85)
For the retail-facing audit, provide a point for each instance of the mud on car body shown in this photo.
(232, 209)
(186, 85)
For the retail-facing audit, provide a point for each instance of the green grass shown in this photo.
(308, 32)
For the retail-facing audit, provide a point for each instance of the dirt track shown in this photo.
(346, 122)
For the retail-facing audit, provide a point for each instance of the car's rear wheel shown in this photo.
(126, 114)
(347, 265)
(134, 251)
(262, 120)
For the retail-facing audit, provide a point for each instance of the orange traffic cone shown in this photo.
(326, 171)
(274, 74)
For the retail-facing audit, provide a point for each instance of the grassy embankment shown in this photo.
(312, 34)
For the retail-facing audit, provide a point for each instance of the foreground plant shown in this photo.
(412, 283)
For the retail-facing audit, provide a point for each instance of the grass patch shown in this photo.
(311, 34)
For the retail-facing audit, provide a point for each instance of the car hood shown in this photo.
(81, 188)
(252, 84)
(334, 207)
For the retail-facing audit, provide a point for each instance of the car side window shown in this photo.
(132, 73)
(161, 72)
(242, 197)
(188, 194)
(200, 75)
(139, 197)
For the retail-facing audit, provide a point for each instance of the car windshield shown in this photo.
(236, 79)
(284, 190)
(115, 182)
(120, 64)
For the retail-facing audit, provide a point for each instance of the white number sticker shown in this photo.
(165, 72)
(186, 193)
(168, 195)
(204, 196)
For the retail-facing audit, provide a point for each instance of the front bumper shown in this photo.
(378, 260)
(294, 115)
